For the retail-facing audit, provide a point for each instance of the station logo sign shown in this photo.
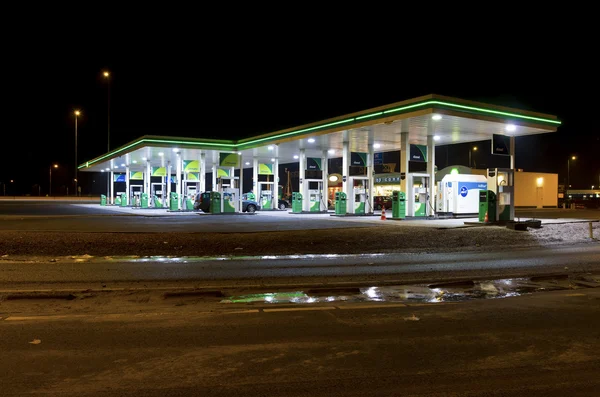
(358, 159)
(418, 153)
(501, 145)
(119, 177)
(229, 160)
(191, 166)
(378, 158)
(136, 175)
(313, 163)
(159, 171)
(192, 176)
(265, 169)
(222, 173)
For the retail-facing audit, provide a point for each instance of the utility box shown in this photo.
(215, 203)
(144, 200)
(123, 200)
(174, 201)
(296, 202)
(487, 204)
(102, 199)
(398, 205)
(340, 203)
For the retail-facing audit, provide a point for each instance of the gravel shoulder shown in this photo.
(331, 241)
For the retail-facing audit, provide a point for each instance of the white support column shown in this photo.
(404, 159)
(431, 173)
(202, 186)
(178, 182)
(325, 184)
(169, 172)
(112, 187)
(214, 178)
(255, 178)
(241, 184)
(346, 188)
(512, 152)
(301, 181)
(276, 178)
(370, 168)
(127, 185)
(148, 180)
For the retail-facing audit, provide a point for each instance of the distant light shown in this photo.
(436, 117)
(106, 74)
(454, 171)
(331, 151)
(101, 170)
(56, 166)
(247, 163)
(436, 137)
(176, 150)
(273, 160)
(77, 113)
(134, 161)
(161, 154)
(270, 147)
(511, 128)
(239, 153)
(296, 156)
(474, 147)
(144, 158)
(108, 169)
(116, 166)
(574, 158)
(376, 145)
(122, 165)
(311, 140)
(333, 178)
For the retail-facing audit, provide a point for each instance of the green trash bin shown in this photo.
(174, 201)
(296, 202)
(340, 203)
(102, 199)
(144, 200)
(123, 200)
(398, 205)
(215, 203)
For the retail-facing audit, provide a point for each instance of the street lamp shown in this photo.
(106, 75)
(568, 175)
(50, 188)
(474, 148)
(77, 113)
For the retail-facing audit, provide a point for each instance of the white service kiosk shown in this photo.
(458, 194)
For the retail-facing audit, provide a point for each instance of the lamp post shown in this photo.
(77, 113)
(106, 75)
(474, 148)
(50, 188)
(568, 176)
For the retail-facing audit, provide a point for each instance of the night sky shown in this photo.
(257, 84)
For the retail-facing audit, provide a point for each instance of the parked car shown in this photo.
(202, 202)
(382, 201)
(282, 204)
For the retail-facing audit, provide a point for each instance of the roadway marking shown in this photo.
(575, 295)
(298, 309)
(38, 318)
(241, 311)
(372, 306)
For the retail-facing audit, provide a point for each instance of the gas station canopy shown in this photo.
(448, 120)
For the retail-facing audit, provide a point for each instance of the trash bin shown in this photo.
(340, 203)
(215, 203)
(102, 199)
(296, 202)
(174, 201)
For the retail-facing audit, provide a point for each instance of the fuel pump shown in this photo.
(135, 193)
(501, 182)
(359, 196)
(230, 194)
(157, 194)
(265, 194)
(313, 196)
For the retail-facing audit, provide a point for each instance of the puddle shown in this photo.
(422, 293)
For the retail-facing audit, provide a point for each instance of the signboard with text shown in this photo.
(501, 145)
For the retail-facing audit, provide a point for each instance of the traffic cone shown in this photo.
(383, 213)
(486, 219)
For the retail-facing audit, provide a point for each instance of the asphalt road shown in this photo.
(535, 345)
(264, 270)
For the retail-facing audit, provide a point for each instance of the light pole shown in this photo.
(106, 75)
(77, 113)
(50, 188)
(474, 148)
(568, 176)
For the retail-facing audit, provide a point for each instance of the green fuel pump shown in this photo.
(123, 200)
(340, 203)
(487, 205)
(174, 201)
(398, 205)
(102, 199)
(296, 202)
(144, 200)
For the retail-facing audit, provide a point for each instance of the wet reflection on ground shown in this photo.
(431, 293)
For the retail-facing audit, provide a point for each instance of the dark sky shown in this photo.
(196, 84)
